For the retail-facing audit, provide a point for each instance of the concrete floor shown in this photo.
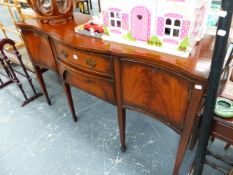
(43, 140)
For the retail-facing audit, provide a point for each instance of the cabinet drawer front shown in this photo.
(160, 92)
(95, 85)
(92, 62)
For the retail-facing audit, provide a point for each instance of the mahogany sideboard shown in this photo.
(165, 87)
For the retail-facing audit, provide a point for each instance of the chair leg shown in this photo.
(81, 7)
(40, 79)
(90, 4)
(99, 5)
(87, 11)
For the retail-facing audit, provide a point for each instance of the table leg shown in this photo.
(40, 79)
(120, 109)
(121, 122)
(180, 153)
(70, 100)
(187, 127)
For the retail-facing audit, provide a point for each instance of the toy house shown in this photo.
(171, 26)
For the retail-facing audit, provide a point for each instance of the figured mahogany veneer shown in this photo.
(38, 46)
(163, 86)
(98, 63)
(95, 85)
(162, 93)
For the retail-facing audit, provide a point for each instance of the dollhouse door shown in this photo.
(140, 23)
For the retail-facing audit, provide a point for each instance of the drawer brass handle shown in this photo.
(91, 63)
(64, 54)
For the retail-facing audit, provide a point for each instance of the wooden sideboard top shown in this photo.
(197, 65)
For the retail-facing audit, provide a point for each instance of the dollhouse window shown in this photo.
(118, 15)
(115, 19)
(177, 23)
(118, 23)
(172, 27)
(176, 32)
(112, 23)
(112, 15)
(168, 21)
(167, 31)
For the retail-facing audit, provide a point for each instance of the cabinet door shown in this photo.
(157, 91)
(39, 48)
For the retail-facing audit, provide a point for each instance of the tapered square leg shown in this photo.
(121, 123)
(187, 129)
(180, 153)
(70, 100)
(40, 79)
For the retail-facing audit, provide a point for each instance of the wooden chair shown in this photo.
(83, 5)
(98, 5)
(87, 4)
(222, 129)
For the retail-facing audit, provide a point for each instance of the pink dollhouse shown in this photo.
(171, 26)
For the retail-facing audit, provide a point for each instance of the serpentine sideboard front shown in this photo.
(165, 87)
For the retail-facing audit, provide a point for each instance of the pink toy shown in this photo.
(171, 26)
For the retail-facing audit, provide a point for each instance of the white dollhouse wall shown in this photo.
(169, 21)
(201, 12)
(125, 8)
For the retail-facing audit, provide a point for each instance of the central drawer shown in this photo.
(92, 62)
(96, 85)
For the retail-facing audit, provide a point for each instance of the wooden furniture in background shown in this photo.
(83, 6)
(87, 3)
(165, 87)
(13, 8)
(99, 5)
(11, 73)
(52, 11)
(17, 13)
(222, 128)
